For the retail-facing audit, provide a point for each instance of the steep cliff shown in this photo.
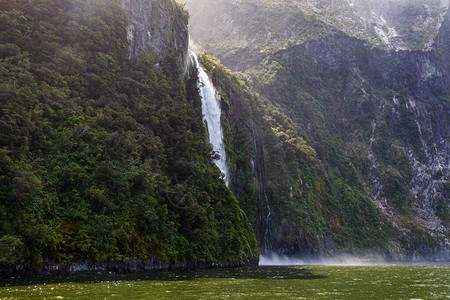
(157, 26)
(282, 183)
(243, 33)
(103, 160)
(372, 123)
(393, 107)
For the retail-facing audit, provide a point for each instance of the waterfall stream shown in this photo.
(212, 117)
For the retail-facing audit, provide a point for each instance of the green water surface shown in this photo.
(309, 282)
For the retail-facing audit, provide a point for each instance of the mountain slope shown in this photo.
(282, 183)
(377, 120)
(102, 146)
(243, 33)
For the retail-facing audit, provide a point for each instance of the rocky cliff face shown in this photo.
(242, 33)
(157, 26)
(378, 119)
(408, 94)
(399, 25)
(409, 115)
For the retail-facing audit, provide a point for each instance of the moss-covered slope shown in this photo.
(316, 210)
(351, 139)
(103, 158)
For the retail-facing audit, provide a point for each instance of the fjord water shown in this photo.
(306, 282)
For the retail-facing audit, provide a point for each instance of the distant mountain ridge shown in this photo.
(252, 29)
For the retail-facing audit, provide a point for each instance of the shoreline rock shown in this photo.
(87, 268)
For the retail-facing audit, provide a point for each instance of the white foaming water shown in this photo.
(342, 260)
(212, 116)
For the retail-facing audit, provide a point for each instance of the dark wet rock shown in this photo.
(133, 266)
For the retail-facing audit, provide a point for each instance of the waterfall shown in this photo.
(212, 117)
(268, 233)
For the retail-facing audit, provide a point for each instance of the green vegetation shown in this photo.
(339, 103)
(339, 127)
(103, 158)
(316, 190)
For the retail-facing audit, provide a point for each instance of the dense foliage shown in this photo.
(365, 111)
(352, 135)
(102, 158)
(333, 134)
(316, 194)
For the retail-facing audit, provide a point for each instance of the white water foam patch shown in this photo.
(341, 260)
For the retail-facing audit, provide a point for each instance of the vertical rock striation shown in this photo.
(378, 118)
(157, 26)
